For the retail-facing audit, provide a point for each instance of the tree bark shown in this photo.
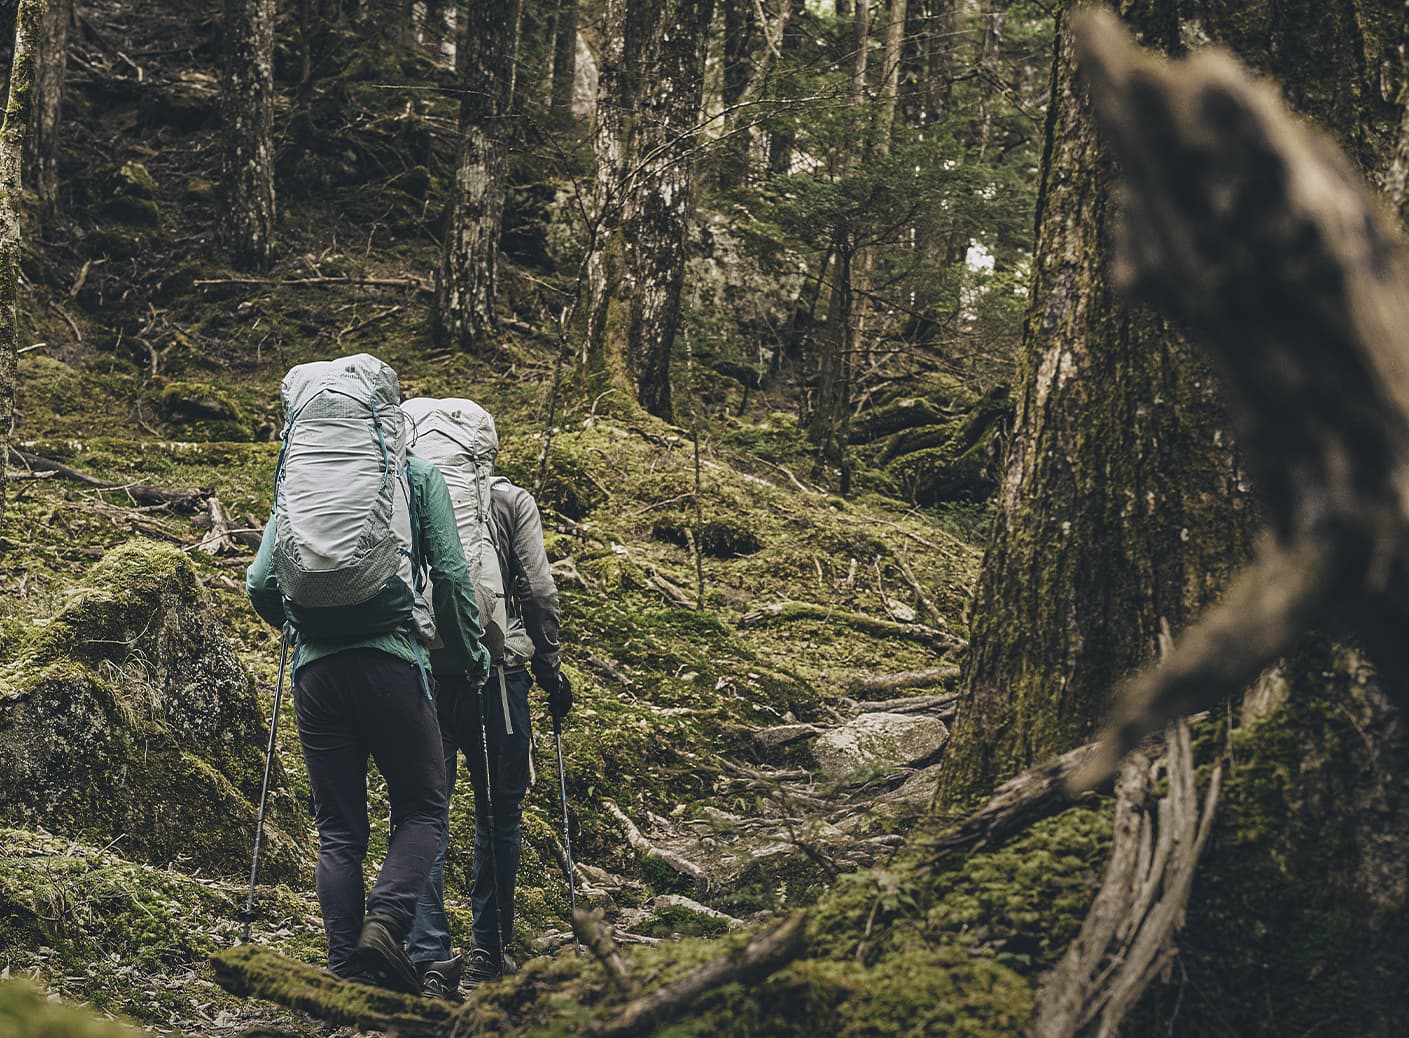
(890, 78)
(247, 114)
(739, 23)
(564, 60)
(50, 65)
(1123, 504)
(645, 144)
(28, 16)
(782, 135)
(465, 280)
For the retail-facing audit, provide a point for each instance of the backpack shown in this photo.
(347, 558)
(459, 438)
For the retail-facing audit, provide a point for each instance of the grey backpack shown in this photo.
(346, 558)
(459, 438)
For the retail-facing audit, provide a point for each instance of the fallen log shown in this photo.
(251, 969)
(183, 499)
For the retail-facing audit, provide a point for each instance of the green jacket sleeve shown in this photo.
(260, 585)
(452, 594)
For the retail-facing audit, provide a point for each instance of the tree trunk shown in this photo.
(663, 199)
(890, 78)
(782, 134)
(1122, 507)
(247, 114)
(739, 22)
(464, 290)
(564, 60)
(28, 16)
(50, 65)
(648, 114)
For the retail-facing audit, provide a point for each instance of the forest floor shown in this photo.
(776, 735)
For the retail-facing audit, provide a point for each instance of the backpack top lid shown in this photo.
(355, 384)
(467, 426)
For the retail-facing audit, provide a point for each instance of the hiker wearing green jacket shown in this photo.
(369, 695)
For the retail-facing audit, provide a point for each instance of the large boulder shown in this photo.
(871, 742)
(128, 717)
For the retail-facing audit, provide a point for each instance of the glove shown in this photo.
(545, 672)
(560, 699)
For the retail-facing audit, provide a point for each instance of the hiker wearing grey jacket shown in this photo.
(500, 710)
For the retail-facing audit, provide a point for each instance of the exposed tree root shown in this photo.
(1126, 940)
(876, 683)
(646, 849)
(1039, 792)
(766, 953)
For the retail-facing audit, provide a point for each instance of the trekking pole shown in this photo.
(489, 806)
(248, 915)
(567, 835)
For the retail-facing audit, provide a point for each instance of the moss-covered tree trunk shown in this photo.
(247, 116)
(464, 293)
(50, 65)
(1123, 507)
(28, 15)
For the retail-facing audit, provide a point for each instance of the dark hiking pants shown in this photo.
(350, 706)
(498, 839)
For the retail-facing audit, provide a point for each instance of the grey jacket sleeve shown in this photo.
(516, 514)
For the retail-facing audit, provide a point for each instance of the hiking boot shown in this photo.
(481, 967)
(380, 957)
(442, 979)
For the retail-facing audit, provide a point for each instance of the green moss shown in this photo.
(26, 1013)
(203, 411)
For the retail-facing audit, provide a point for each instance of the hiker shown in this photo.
(356, 523)
(501, 529)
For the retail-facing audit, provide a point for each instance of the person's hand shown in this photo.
(545, 672)
(478, 673)
(560, 698)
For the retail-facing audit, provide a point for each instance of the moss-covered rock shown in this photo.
(129, 717)
(203, 411)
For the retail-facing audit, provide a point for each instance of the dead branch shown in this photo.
(673, 592)
(1126, 939)
(183, 499)
(786, 612)
(764, 955)
(592, 930)
(873, 683)
(332, 279)
(943, 707)
(930, 610)
(222, 538)
(1257, 235)
(646, 849)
